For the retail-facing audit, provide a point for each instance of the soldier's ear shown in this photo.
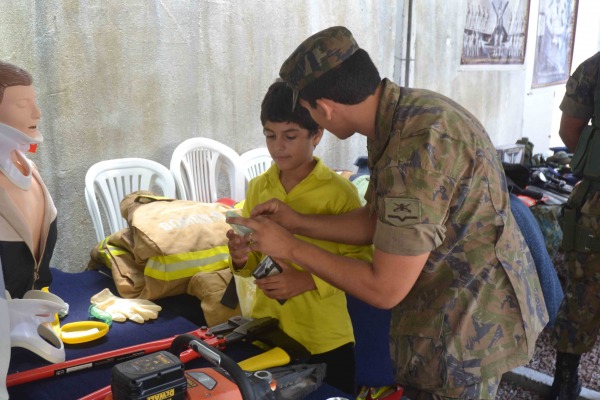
(325, 108)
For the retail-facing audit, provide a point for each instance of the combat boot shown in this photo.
(566, 385)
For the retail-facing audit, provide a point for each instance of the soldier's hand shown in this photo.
(267, 236)
(277, 211)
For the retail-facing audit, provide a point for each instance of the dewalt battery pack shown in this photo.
(156, 376)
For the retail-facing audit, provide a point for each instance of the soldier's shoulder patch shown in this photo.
(402, 211)
(572, 84)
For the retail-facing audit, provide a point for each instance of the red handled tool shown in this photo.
(236, 328)
(109, 357)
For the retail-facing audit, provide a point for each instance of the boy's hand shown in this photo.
(289, 283)
(238, 249)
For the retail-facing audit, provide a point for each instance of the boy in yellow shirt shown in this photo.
(314, 312)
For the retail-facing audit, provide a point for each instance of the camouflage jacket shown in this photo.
(582, 86)
(438, 186)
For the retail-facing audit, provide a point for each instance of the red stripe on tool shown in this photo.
(109, 357)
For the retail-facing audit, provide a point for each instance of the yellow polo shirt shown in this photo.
(318, 318)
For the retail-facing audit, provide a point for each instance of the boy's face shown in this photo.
(19, 109)
(290, 145)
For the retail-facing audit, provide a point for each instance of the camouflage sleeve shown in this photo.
(412, 213)
(578, 101)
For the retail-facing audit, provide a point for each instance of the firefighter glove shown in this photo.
(137, 310)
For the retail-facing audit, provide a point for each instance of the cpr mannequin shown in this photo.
(27, 213)
(27, 225)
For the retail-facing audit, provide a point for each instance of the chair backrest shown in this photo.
(108, 182)
(255, 162)
(196, 165)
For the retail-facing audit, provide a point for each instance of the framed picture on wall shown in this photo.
(554, 42)
(495, 32)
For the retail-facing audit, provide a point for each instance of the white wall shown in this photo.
(587, 43)
(502, 98)
(542, 114)
(493, 94)
(539, 103)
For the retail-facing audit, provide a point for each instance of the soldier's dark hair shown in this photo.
(350, 83)
(277, 107)
(11, 75)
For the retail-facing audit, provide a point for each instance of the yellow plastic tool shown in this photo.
(55, 324)
(275, 357)
(83, 331)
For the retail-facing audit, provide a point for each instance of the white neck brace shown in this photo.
(30, 327)
(13, 141)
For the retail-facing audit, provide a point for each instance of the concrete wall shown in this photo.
(135, 78)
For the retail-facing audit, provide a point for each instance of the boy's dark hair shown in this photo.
(11, 75)
(277, 107)
(351, 82)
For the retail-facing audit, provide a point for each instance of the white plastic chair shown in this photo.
(108, 182)
(196, 165)
(255, 162)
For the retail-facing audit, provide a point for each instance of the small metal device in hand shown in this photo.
(266, 267)
(239, 229)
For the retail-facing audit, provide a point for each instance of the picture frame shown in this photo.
(554, 42)
(495, 33)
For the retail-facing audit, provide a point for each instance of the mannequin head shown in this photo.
(11, 75)
(18, 104)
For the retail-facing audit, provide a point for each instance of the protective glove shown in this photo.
(137, 310)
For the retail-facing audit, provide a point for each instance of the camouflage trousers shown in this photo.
(481, 391)
(578, 320)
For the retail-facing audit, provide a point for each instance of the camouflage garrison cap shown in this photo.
(318, 54)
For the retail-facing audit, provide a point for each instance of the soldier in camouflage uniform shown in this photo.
(449, 258)
(578, 320)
